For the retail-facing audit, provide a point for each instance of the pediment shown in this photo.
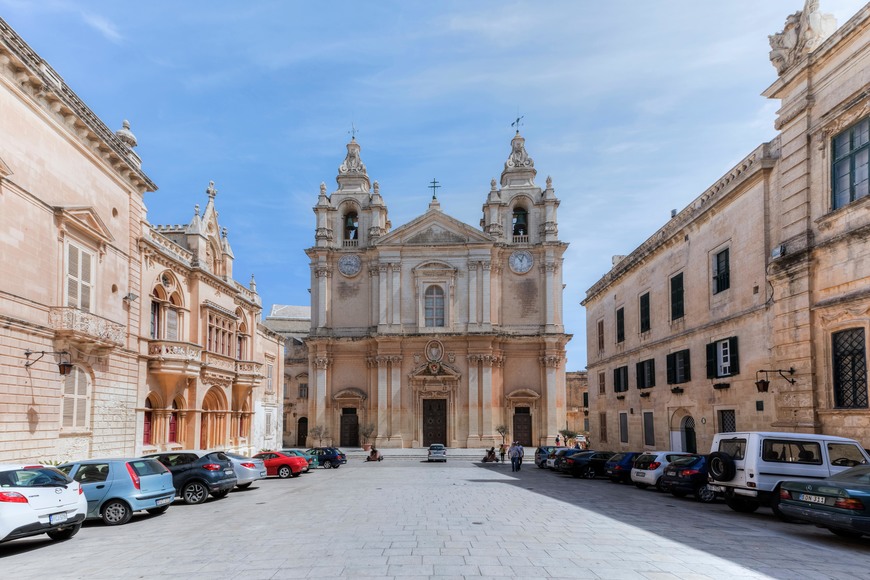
(351, 393)
(86, 220)
(434, 228)
(523, 394)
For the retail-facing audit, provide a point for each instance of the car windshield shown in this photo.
(617, 458)
(686, 461)
(33, 477)
(860, 474)
(436, 447)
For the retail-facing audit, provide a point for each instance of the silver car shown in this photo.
(115, 488)
(437, 452)
(248, 470)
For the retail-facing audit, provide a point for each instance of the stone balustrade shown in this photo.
(86, 328)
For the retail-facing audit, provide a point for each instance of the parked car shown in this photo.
(197, 473)
(328, 456)
(542, 453)
(39, 500)
(115, 488)
(688, 475)
(748, 467)
(840, 503)
(649, 467)
(248, 469)
(618, 468)
(586, 464)
(555, 458)
(282, 464)
(437, 452)
(312, 461)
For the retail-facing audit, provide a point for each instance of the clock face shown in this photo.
(521, 262)
(349, 265)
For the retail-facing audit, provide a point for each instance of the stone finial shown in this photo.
(322, 188)
(549, 182)
(253, 284)
(377, 187)
(211, 191)
(224, 232)
(352, 162)
(803, 32)
(196, 210)
(125, 135)
(492, 184)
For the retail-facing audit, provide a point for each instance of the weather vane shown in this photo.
(517, 122)
(353, 131)
(434, 186)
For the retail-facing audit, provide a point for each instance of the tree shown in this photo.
(320, 433)
(366, 431)
(567, 434)
(503, 431)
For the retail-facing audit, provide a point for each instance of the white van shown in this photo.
(748, 467)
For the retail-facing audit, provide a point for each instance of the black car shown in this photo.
(586, 464)
(618, 467)
(541, 455)
(197, 473)
(688, 475)
(554, 461)
(328, 456)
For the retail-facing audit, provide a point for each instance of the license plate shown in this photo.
(263, 473)
(670, 473)
(639, 474)
(811, 498)
(163, 501)
(57, 518)
(228, 471)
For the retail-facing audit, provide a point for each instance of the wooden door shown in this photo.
(434, 421)
(349, 436)
(523, 429)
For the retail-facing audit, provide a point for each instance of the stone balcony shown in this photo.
(248, 373)
(86, 331)
(169, 357)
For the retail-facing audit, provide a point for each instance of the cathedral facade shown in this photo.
(436, 331)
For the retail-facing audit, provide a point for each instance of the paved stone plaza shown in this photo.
(404, 518)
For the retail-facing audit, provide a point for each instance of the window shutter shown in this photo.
(640, 378)
(615, 380)
(171, 324)
(72, 277)
(671, 362)
(652, 372)
(687, 365)
(735, 361)
(711, 361)
(85, 279)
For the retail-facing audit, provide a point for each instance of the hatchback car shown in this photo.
(248, 469)
(542, 453)
(618, 467)
(39, 500)
(840, 503)
(115, 488)
(328, 456)
(586, 464)
(437, 452)
(649, 467)
(688, 475)
(282, 464)
(555, 458)
(197, 473)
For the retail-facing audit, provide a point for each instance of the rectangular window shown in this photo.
(75, 400)
(727, 421)
(620, 379)
(849, 171)
(602, 427)
(791, 451)
(646, 374)
(79, 278)
(600, 336)
(601, 383)
(644, 313)
(620, 325)
(850, 369)
(221, 332)
(268, 423)
(586, 399)
(433, 306)
(722, 359)
(649, 434)
(721, 271)
(623, 427)
(677, 297)
(303, 390)
(269, 385)
(678, 367)
(155, 319)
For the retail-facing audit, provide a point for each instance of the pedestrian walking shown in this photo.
(514, 456)
(557, 440)
(520, 453)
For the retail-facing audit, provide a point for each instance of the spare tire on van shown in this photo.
(721, 466)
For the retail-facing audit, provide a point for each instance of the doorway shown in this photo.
(687, 427)
(302, 432)
(523, 426)
(349, 431)
(434, 421)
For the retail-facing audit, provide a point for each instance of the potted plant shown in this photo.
(365, 432)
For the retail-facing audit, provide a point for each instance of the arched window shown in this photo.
(156, 314)
(520, 222)
(166, 312)
(434, 306)
(241, 337)
(148, 421)
(351, 226)
(76, 399)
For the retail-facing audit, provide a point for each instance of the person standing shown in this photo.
(514, 456)
(501, 451)
(557, 440)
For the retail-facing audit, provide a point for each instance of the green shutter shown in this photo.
(735, 360)
(711, 361)
(671, 362)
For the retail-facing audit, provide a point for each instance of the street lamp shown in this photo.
(64, 367)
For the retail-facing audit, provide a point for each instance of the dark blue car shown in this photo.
(328, 456)
(618, 467)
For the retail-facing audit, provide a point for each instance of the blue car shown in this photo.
(328, 456)
(618, 467)
(115, 488)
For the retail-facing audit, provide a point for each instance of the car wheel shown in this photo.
(116, 512)
(336, 464)
(588, 472)
(704, 494)
(743, 506)
(284, 471)
(639, 485)
(327, 465)
(845, 533)
(614, 480)
(64, 533)
(158, 510)
(677, 493)
(220, 494)
(661, 485)
(542, 465)
(194, 492)
(774, 505)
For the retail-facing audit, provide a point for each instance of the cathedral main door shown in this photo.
(523, 426)
(349, 435)
(434, 421)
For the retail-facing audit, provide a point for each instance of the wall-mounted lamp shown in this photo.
(130, 297)
(64, 367)
(764, 384)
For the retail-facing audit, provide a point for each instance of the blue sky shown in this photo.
(633, 108)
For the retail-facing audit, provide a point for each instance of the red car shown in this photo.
(281, 464)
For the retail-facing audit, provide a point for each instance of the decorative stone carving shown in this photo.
(434, 351)
(125, 135)
(803, 32)
(551, 361)
(322, 362)
(352, 162)
(518, 157)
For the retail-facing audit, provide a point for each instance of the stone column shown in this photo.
(321, 364)
(473, 307)
(486, 400)
(551, 366)
(473, 401)
(383, 417)
(396, 294)
(487, 299)
(322, 275)
(396, 401)
(550, 295)
(382, 304)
